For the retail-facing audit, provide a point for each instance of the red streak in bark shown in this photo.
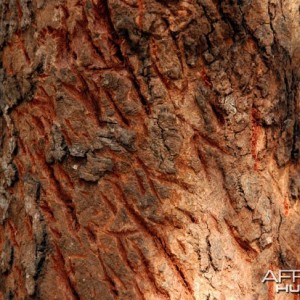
(206, 79)
(271, 295)
(286, 205)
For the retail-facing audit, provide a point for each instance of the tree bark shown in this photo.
(149, 149)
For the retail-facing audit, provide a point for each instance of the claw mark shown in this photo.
(254, 137)
(286, 205)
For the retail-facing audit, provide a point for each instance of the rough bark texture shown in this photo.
(148, 149)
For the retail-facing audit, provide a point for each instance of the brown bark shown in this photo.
(149, 149)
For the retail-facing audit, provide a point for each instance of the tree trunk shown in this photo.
(149, 149)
